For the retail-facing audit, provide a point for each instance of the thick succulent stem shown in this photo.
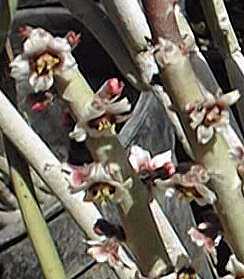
(151, 257)
(182, 86)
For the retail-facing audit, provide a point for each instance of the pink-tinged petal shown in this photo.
(39, 106)
(197, 237)
(98, 253)
(115, 87)
(41, 83)
(161, 159)
(204, 134)
(111, 88)
(20, 68)
(200, 239)
(79, 174)
(58, 45)
(169, 168)
(73, 38)
(230, 98)
(138, 157)
(24, 31)
(37, 41)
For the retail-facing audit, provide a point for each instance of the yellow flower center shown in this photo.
(105, 122)
(100, 193)
(104, 194)
(45, 63)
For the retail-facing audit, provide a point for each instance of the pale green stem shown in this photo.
(36, 226)
(143, 238)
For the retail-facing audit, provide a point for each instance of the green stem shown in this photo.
(142, 236)
(7, 10)
(36, 226)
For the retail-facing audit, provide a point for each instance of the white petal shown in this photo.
(204, 134)
(196, 237)
(234, 266)
(111, 88)
(69, 63)
(97, 252)
(209, 197)
(170, 192)
(138, 156)
(37, 41)
(159, 160)
(79, 134)
(230, 98)
(59, 45)
(119, 107)
(20, 68)
(41, 83)
(197, 118)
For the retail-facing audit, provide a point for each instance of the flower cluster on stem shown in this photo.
(210, 115)
(43, 57)
(102, 112)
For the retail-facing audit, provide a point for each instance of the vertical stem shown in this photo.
(143, 237)
(36, 226)
(182, 86)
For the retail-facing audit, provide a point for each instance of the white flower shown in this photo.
(102, 182)
(43, 57)
(190, 185)
(141, 160)
(210, 115)
(107, 250)
(102, 112)
(201, 239)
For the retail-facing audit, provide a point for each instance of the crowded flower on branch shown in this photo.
(43, 57)
(102, 112)
(191, 185)
(211, 115)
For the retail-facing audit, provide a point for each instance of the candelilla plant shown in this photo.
(214, 177)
